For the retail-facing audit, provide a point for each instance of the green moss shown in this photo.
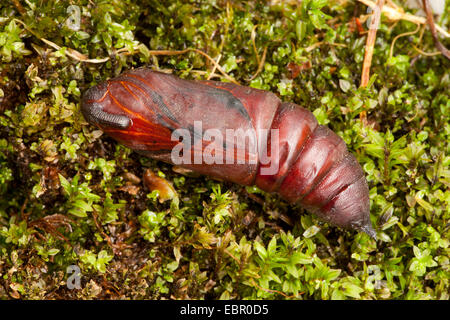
(72, 196)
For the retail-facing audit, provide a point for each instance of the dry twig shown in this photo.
(260, 66)
(371, 36)
(177, 52)
(74, 54)
(83, 58)
(212, 74)
(426, 7)
(391, 51)
(396, 13)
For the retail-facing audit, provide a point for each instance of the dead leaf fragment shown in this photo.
(154, 182)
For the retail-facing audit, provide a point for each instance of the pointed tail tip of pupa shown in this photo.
(368, 229)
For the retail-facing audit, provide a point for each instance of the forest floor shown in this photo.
(79, 221)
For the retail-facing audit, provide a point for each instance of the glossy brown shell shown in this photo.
(142, 108)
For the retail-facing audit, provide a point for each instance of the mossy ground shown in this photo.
(70, 196)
